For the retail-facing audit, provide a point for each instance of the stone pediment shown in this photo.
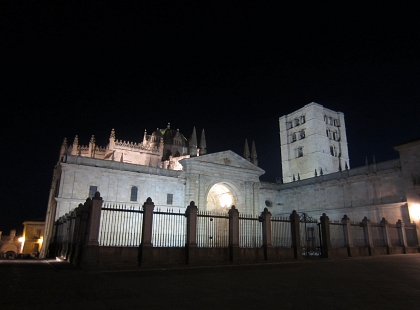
(221, 160)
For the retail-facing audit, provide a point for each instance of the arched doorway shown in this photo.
(220, 198)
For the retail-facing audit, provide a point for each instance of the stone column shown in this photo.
(265, 218)
(401, 234)
(233, 234)
(294, 224)
(145, 249)
(90, 255)
(348, 236)
(191, 245)
(95, 220)
(367, 229)
(325, 232)
(385, 232)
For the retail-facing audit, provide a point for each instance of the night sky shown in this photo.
(231, 67)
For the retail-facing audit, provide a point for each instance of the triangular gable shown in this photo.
(226, 159)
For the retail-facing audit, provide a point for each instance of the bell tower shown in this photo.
(313, 142)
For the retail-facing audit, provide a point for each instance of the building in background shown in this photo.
(313, 141)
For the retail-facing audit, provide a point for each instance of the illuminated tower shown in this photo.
(313, 142)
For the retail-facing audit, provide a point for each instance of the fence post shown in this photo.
(385, 232)
(52, 246)
(91, 250)
(145, 249)
(402, 236)
(325, 234)
(191, 245)
(265, 217)
(78, 235)
(367, 229)
(233, 234)
(348, 236)
(294, 224)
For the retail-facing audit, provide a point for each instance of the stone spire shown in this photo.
(75, 145)
(246, 151)
(92, 146)
(193, 144)
(111, 146)
(254, 159)
(145, 138)
(203, 145)
(63, 150)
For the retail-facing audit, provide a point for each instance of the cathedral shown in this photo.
(175, 170)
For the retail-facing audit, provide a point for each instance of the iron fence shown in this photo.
(169, 228)
(378, 235)
(337, 234)
(281, 232)
(394, 235)
(121, 225)
(358, 234)
(250, 231)
(411, 235)
(309, 238)
(212, 229)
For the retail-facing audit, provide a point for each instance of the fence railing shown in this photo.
(212, 229)
(250, 231)
(121, 225)
(169, 229)
(281, 232)
(96, 224)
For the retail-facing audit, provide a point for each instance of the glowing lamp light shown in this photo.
(225, 200)
(40, 240)
(415, 211)
(21, 239)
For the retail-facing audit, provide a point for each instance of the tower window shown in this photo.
(133, 196)
(302, 134)
(294, 137)
(302, 119)
(92, 191)
(288, 125)
(169, 198)
(296, 122)
(300, 151)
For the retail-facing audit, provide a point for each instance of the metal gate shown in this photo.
(310, 236)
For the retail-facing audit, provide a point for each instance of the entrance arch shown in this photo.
(220, 197)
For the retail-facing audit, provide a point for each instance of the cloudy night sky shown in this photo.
(231, 67)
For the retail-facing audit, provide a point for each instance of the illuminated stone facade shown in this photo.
(313, 142)
(175, 171)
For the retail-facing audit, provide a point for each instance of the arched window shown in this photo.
(332, 150)
(294, 137)
(302, 119)
(296, 122)
(133, 196)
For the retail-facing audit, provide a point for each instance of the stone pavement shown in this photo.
(381, 282)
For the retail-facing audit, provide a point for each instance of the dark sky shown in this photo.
(230, 67)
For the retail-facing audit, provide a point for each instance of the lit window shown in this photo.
(169, 198)
(92, 191)
(133, 196)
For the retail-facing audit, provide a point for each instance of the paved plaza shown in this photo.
(381, 282)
